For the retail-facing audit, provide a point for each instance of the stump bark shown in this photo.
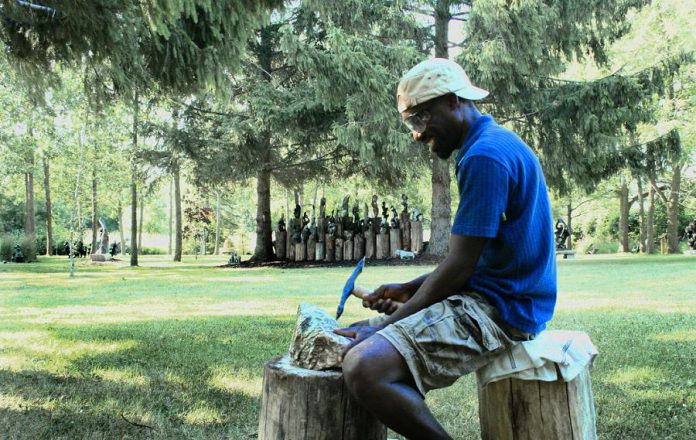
(358, 247)
(313, 405)
(382, 248)
(281, 244)
(311, 248)
(416, 237)
(348, 250)
(300, 251)
(339, 249)
(514, 409)
(370, 244)
(330, 248)
(319, 251)
(394, 241)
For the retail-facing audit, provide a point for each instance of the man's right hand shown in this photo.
(387, 298)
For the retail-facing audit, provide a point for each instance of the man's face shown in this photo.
(434, 124)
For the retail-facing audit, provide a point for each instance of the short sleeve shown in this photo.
(483, 194)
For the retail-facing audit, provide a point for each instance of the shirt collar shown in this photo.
(474, 132)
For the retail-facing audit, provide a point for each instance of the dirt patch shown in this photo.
(422, 260)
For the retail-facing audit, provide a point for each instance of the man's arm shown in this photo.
(447, 279)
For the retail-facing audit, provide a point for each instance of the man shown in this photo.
(496, 286)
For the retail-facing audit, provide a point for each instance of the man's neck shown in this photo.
(469, 116)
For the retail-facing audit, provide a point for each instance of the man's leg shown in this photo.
(377, 376)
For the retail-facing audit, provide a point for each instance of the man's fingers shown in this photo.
(347, 332)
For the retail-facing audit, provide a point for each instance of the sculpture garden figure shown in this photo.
(356, 212)
(375, 207)
(385, 211)
(562, 233)
(404, 202)
(344, 206)
(18, 255)
(691, 235)
(415, 214)
(103, 243)
(305, 234)
(305, 220)
(281, 223)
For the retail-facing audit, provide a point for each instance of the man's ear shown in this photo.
(453, 100)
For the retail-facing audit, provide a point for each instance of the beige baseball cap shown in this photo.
(432, 78)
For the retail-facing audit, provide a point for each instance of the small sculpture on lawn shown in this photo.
(305, 234)
(18, 255)
(344, 206)
(385, 211)
(103, 243)
(691, 234)
(395, 218)
(375, 207)
(414, 215)
(281, 223)
(356, 212)
(562, 233)
(404, 202)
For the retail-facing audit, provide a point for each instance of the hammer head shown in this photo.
(348, 288)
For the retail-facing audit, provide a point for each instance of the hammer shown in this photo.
(351, 288)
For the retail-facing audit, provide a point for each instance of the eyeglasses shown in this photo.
(418, 121)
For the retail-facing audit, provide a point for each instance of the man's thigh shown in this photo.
(447, 340)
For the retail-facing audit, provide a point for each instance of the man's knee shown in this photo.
(372, 364)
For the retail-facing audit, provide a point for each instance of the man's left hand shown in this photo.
(358, 334)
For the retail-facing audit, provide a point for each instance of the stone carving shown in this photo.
(103, 243)
(314, 345)
(404, 202)
(561, 234)
(375, 207)
(356, 212)
(281, 223)
(344, 206)
(691, 234)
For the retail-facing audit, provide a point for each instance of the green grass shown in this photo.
(181, 347)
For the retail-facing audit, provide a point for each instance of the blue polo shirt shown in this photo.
(502, 196)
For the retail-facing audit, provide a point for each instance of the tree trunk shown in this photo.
(641, 213)
(140, 224)
(134, 187)
(650, 220)
(49, 208)
(122, 247)
(171, 213)
(217, 224)
(569, 223)
(95, 220)
(442, 201)
(177, 213)
(623, 217)
(264, 238)
(29, 218)
(673, 208)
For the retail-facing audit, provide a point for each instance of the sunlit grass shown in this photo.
(180, 347)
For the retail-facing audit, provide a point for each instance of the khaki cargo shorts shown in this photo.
(450, 339)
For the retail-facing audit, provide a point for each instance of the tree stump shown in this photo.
(370, 244)
(348, 250)
(300, 251)
(291, 249)
(382, 248)
(281, 244)
(405, 231)
(358, 247)
(311, 248)
(339, 249)
(530, 409)
(306, 404)
(394, 241)
(319, 251)
(416, 237)
(330, 248)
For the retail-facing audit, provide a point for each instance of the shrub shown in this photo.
(28, 249)
(6, 241)
(152, 251)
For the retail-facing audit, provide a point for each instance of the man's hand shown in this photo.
(358, 334)
(387, 298)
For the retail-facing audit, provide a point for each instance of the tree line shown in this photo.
(130, 95)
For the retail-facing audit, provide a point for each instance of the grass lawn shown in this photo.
(179, 348)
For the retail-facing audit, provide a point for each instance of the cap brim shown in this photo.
(472, 93)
